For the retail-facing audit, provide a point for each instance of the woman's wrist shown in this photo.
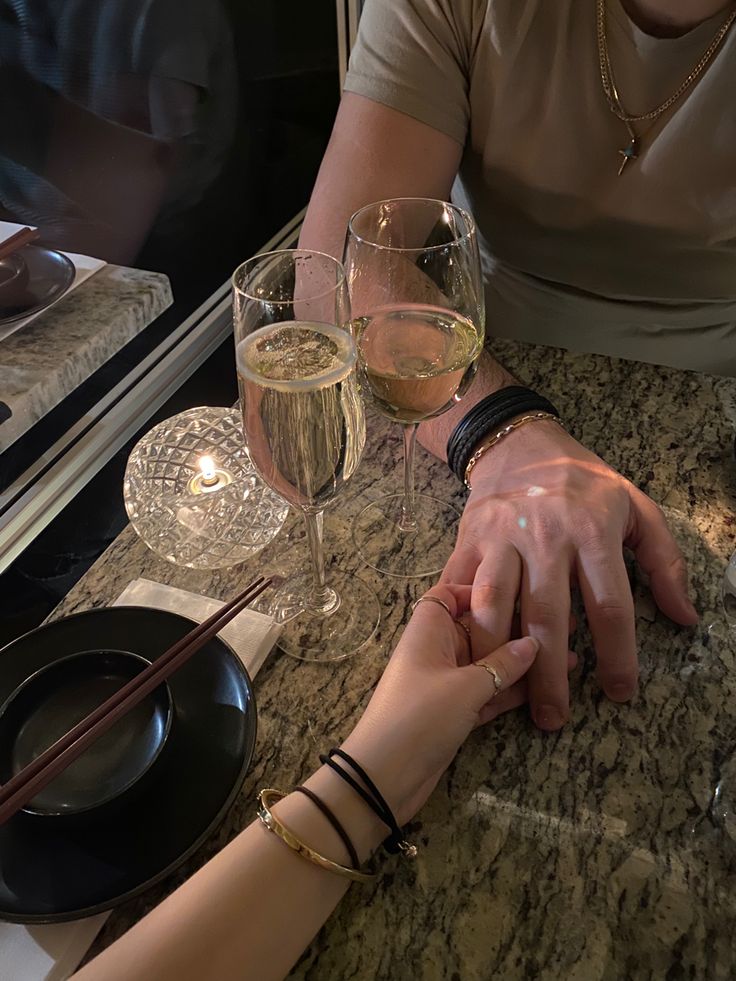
(363, 827)
(387, 771)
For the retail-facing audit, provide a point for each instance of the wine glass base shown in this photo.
(406, 555)
(336, 636)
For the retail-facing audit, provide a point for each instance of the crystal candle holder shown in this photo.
(193, 496)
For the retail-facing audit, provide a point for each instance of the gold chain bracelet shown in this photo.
(509, 428)
(268, 797)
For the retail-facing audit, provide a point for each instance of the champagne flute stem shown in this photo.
(408, 521)
(322, 599)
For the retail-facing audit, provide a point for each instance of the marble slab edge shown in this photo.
(45, 361)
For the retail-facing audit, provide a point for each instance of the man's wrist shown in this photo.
(490, 420)
(512, 447)
(490, 377)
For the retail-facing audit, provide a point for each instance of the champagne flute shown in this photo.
(416, 292)
(304, 426)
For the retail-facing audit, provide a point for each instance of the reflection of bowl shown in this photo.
(13, 273)
(53, 700)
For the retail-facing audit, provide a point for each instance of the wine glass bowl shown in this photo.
(418, 361)
(416, 292)
(304, 426)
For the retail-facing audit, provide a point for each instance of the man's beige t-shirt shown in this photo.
(639, 266)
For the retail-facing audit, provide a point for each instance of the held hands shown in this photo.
(545, 512)
(430, 698)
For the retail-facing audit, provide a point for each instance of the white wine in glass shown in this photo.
(304, 426)
(416, 362)
(416, 290)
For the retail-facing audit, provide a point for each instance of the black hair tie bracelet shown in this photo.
(396, 842)
(341, 832)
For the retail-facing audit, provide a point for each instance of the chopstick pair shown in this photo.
(17, 240)
(24, 786)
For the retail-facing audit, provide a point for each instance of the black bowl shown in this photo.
(31, 280)
(13, 273)
(52, 700)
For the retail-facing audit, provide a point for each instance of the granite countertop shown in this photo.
(44, 361)
(587, 855)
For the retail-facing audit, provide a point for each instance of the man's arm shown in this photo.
(544, 510)
(376, 153)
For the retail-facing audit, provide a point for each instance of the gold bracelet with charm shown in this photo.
(509, 428)
(266, 799)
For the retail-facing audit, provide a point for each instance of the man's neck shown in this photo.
(671, 18)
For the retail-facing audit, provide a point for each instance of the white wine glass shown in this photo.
(416, 292)
(304, 427)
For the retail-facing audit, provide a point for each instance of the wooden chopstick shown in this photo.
(17, 240)
(24, 786)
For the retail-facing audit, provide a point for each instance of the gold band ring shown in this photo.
(435, 599)
(497, 685)
(466, 630)
(432, 599)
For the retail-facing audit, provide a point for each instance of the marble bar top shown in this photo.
(587, 855)
(43, 362)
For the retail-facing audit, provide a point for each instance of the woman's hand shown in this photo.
(543, 512)
(429, 699)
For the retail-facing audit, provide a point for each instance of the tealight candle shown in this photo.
(210, 477)
(193, 496)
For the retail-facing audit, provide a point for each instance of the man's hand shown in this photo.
(545, 512)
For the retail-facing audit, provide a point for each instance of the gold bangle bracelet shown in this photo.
(268, 797)
(514, 424)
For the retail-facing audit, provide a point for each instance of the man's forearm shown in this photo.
(374, 153)
(491, 376)
(358, 169)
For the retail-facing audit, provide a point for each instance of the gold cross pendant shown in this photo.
(628, 153)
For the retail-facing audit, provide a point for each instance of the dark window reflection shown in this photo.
(120, 114)
(168, 134)
(171, 135)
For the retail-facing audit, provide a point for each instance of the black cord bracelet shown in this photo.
(501, 405)
(342, 833)
(373, 798)
(490, 415)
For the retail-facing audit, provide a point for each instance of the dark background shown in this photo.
(285, 58)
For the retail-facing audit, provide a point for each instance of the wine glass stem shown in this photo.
(322, 598)
(408, 521)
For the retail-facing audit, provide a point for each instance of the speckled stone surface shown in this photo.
(48, 358)
(589, 855)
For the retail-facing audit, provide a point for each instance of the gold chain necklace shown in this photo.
(631, 152)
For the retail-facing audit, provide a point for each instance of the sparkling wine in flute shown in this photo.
(416, 361)
(302, 414)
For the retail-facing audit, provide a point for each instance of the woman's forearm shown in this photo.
(252, 910)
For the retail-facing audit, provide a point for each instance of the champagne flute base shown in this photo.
(385, 547)
(325, 637)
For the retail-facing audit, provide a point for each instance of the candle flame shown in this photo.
(207, 466)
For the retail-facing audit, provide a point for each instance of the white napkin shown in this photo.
(84, 266)
(53, 951)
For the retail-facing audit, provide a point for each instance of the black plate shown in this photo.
(47, 276)
(49, 873)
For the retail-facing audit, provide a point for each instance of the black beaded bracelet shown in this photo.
(490, 415)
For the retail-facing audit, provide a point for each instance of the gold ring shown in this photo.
(466, 628)
(432, 599)
(497, 685)
(436, 599)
